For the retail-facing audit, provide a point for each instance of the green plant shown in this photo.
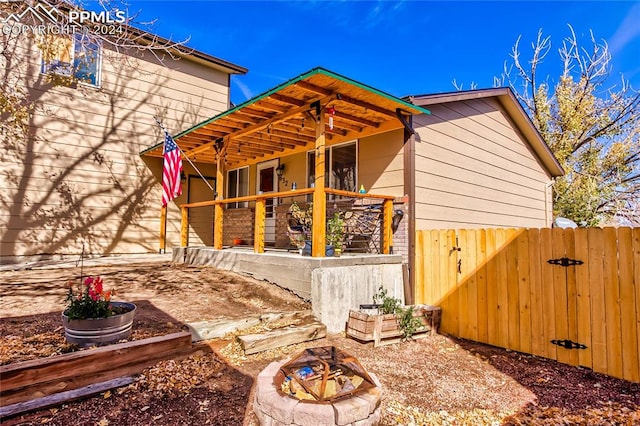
(92, 301)
(407, 322)
(335, 230)
(387, 304)
(304, 217)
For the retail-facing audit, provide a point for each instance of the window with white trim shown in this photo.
(78, 56)
(238, 186)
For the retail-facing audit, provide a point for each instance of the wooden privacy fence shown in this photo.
(564, 294)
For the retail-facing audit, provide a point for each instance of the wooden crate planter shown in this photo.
(368, 326)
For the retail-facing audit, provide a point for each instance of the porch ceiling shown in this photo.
(282, 121)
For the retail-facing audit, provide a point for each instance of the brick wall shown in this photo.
(401, 236)
(237, 223)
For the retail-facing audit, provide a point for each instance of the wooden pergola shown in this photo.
(299, 115)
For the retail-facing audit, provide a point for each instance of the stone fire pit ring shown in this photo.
(273, 407)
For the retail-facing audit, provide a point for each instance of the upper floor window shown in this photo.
(78, 56)
(237, 186)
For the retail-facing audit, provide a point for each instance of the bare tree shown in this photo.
(84, 184)
(592, 126)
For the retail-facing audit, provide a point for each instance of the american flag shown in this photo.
(171, 170)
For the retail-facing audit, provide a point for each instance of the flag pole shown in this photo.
(187, 158)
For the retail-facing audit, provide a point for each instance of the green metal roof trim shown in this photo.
(317, 70)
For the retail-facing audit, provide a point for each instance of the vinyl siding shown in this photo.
(380, 163)
(474, 169)
(80, 179)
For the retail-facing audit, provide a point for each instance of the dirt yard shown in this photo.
(437, 380)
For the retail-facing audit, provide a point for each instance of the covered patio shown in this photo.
(307, 114)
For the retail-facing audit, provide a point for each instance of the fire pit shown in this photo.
(318, 386)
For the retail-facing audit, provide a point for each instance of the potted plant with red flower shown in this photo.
(92, 318)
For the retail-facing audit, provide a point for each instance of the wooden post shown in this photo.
(260, 220)
(319, 197)
(184, 227)
(218, 210)
(387, 235)
(163, 229)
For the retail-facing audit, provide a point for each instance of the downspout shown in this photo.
(410, 191)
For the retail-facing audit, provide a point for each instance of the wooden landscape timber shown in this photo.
(28, 380)
(253, 343)
(213, 329)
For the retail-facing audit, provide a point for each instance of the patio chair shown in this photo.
(362, 228)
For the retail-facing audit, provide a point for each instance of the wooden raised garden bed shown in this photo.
(42, 382)
(370, 326)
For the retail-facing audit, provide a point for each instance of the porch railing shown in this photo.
(261, 209)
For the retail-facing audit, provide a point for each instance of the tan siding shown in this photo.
(380, 163)
(81, 178)
(473, 169)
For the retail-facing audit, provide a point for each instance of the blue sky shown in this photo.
(406, 47)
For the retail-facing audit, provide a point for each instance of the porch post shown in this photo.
(184, 227)
(218, 209)
(319, 197)
(258, 232)
(387, 235)
(163, 229)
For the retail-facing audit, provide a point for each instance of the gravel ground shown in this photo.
(437, 380)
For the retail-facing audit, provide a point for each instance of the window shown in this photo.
(77, 56)
(341, 172)
(237, 186)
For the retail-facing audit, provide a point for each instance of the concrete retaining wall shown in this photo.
(333, 285)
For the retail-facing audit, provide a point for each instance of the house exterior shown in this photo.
(73, 181)
(466, 160)
(332, 144)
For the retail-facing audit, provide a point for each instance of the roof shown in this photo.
(281, 121)
(511, 105)
(142, 36)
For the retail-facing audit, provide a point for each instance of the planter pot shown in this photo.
(97, 331)
(367, 325)
(306, 250)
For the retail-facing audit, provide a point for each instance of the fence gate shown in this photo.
(569, 295)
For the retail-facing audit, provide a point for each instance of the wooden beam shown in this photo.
(163, 229)
(313, 88)
(319, 230)
(255, 113)
(290, 136)
(184, 227)
(260, 222)
(273, 107)
(218, 210)
(266, 142)
(288, 99)
(387, 234)
(355, 119)
(368, 106)
(62, 397)
(216, 328)
(279, 337)
(23, 381)
(259, 126)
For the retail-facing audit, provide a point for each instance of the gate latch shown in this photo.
(569, 344)
(565, 261)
